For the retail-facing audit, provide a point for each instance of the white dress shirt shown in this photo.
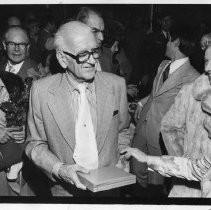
(16, 67)
(176, 64)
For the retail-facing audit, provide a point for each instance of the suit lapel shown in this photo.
(159, 80)
(61, 110)
(174, 79)
(105, 108)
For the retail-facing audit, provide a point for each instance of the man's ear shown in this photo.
(61, 59)
(176, 42)
(27, 49)
(4, 44)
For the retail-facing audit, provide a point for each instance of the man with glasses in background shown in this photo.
(16, 45)
(78, 120)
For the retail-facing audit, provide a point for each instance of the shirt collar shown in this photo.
(165, 33)
(73, 84)
(16, 66)
(176, 64)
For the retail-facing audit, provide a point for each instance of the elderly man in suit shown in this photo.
(16, 44)
(171, 76)
(78, 120)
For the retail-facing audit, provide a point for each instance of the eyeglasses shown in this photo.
(20, 45)
(84, 56)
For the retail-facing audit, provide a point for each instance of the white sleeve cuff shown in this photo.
(140, 104)
(56, 168)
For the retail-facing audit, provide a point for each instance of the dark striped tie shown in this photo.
(166, 73)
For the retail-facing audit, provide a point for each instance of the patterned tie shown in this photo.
(166, 73)
(85, 153)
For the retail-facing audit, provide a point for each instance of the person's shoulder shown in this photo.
(111, 78)
(3, 63)
(30, 63)
(46, 82)
(192, 72)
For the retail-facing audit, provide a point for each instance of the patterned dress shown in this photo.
(184, 133)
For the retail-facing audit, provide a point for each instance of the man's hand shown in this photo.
(134, 152)
(138, 112)
(206, 189)
(4, 135)
(206, 180)
(123, 164)
(68, 173)
(18, 133)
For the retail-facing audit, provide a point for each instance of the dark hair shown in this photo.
(84, 12)
(54, 65)
(11, 81)
(113, 32)
(187, 38)
(48, 19)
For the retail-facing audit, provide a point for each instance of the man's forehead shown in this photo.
(94, 21)
(81, 42)
(16, 33)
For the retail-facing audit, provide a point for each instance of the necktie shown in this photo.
(11, 69)
(168, 36)
(116, 65)
(166, 73)
(85, 153)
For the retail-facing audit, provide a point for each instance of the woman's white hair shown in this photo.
(73, 30)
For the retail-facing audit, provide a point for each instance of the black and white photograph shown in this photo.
(105, 103)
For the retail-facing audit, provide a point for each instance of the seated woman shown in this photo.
(186, 132)
(11, 138)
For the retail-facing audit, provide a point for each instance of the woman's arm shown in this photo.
(168, 165)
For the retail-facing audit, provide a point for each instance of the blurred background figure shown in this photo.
(45, 40)
(33, 28)
(13, 21)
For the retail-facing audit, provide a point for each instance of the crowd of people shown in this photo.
(89, 93)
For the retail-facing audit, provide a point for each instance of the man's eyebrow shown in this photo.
(85, 51)
(95, 29)
(82, 51)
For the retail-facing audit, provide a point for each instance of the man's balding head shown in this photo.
(15, 30)
(71, 33)
(16, 44)
(77, 50)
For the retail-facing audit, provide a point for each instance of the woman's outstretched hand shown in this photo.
(134, 152)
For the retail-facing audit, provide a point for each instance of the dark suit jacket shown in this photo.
(28, 69)
(106, 60)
